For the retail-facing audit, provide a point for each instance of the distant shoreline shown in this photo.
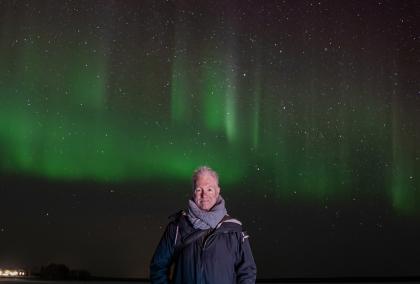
(90, 279)
(98, 279)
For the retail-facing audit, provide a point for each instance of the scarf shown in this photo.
(203, 220)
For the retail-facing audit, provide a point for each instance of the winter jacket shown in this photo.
(214, 256)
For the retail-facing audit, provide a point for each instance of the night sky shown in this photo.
(309, 111)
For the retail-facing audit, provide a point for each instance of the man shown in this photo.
(204, 243)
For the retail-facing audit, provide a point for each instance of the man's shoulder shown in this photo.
(180, 220)
(229, 219)
(232, 225)
(177, 215)
(228, 223)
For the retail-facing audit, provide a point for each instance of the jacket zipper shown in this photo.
(202, 255)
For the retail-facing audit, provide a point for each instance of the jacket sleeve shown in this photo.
(162, 258)
(246, 270)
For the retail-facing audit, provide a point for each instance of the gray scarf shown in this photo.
(203, 220)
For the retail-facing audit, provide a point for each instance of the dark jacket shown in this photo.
(218, 256)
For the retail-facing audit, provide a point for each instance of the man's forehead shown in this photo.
(206, 177)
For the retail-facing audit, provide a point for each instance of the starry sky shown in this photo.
(308, 110)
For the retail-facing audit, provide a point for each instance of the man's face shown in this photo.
(206, 191)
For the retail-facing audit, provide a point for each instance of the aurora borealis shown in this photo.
(309, 111)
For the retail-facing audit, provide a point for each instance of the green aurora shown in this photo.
(71, 108)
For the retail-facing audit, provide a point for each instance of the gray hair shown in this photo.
(201, 170)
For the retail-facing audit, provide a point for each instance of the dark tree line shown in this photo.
(60, 271)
